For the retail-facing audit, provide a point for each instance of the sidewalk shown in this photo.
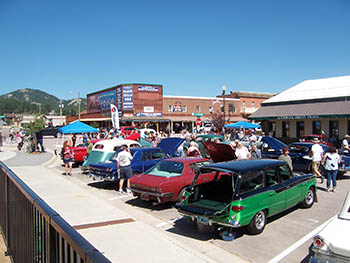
(123, 238)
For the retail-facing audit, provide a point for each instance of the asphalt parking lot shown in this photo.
(286, 238)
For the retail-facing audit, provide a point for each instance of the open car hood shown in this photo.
(170, 145)
(273, 143)
(219, 152)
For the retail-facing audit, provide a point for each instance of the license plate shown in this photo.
(145, 197)
(203, 220)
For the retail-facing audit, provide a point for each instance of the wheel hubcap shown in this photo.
(260, 220)
(309, 197)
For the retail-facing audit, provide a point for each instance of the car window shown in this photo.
(199, 139)
(167, 169)
(298, 149)
(196, 166)
(116, 148)
(271, 176)
(252, 181)
(285, 173)
(99, 146)
(158, 155)
(146, 156)
(134, 145)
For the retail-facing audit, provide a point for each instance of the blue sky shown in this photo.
(191, 47)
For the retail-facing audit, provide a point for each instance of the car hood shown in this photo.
(273, 143)
(170, 145)
(219, 152)
(104, 165)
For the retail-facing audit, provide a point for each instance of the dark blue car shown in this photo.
(143, 159)
(299, 153)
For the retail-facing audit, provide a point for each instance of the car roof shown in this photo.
(244, 166)
(187, 159)
(108, 145)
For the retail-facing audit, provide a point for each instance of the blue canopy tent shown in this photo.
(242, 125)
(77, 127)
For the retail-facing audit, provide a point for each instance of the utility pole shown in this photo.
(79, 105)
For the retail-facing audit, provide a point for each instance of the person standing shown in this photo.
(67, 158)
(39, 140)
(124, 159)
(242, 152)
(255, 153)
(89, 147)
(316, 154)
(73, 139)
(285, 157)
(345, 145)
(331, 162)
(0, 141)
(193, 150)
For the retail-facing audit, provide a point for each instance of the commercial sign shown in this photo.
(119, 98)
(298, 117)
(148, 109)
(147, 88)
(149, 114)
(101, 101)
(128, 98)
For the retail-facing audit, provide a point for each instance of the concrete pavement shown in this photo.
(112, 230)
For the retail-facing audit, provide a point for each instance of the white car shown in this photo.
(332, 244)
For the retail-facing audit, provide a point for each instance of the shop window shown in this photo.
(334, 129)
(300, 129)
(198, 108)
(272, 129)
(170, 108)
(243, 104)
(316, 127)
(253, 104)
(210, 109)
(231, 108)
(285, 129)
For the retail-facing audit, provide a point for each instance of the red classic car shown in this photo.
(322, 138)
(127, 130)
(79, 152)
(167, 180)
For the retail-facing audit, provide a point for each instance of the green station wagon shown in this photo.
(246, 193)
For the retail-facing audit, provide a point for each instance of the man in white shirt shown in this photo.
(345, 145)
(124, 159)
(317, 155)
(242, 152)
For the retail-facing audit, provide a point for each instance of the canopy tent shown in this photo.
(242, 125)
(77, 127)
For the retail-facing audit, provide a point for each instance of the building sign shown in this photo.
(119, 98)
(128, 98)
(298, 117)
(100, 101)
(149, 114)
(148, 109)
(147, 88)
(177, 107)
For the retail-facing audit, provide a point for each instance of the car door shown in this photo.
(276, 191)
(293, 187)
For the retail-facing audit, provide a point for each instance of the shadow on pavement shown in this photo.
(149, 204)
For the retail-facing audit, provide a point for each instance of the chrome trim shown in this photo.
(152, 193)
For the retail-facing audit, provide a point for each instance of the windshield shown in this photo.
(167, 169)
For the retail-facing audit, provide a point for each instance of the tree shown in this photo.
(218, 121)
(36, 125)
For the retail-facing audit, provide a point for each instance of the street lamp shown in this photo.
(223, 94)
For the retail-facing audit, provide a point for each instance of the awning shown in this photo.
(316, 110)
(96, 119)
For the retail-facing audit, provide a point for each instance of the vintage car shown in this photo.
(299, 153)
(79, 152)
(127, 130)
(245, 193)
(204, 138)
(322, 138)
(143, 159)
(167, 180)
(103, 150)
(332, 243)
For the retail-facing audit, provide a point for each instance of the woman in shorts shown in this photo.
(67, 158)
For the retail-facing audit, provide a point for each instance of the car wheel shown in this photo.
(181, 193)
(309, 198)
(258, 222)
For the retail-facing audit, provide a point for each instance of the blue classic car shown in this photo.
(143, 159)
(299, 153)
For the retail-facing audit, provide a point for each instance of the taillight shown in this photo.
(318, 241)
(183, 197)
(237, 208)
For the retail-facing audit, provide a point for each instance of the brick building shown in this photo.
(144, 105)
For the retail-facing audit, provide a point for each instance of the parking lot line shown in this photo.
(299, 242)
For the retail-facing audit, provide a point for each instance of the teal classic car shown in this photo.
(246, 193)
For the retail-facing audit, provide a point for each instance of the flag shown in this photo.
(115, 117)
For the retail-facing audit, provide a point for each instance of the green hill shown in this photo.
(33, 101)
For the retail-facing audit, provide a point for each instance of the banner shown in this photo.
(115, 117)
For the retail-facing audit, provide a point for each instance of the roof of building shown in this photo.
(314, 89)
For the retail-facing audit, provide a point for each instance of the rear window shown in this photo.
(252, 181)
(98, 146)
(167, 169)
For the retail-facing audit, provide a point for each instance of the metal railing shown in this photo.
(34, 232)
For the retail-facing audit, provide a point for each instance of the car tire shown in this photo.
(309, 198)
(178, 199)
(258, 222)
